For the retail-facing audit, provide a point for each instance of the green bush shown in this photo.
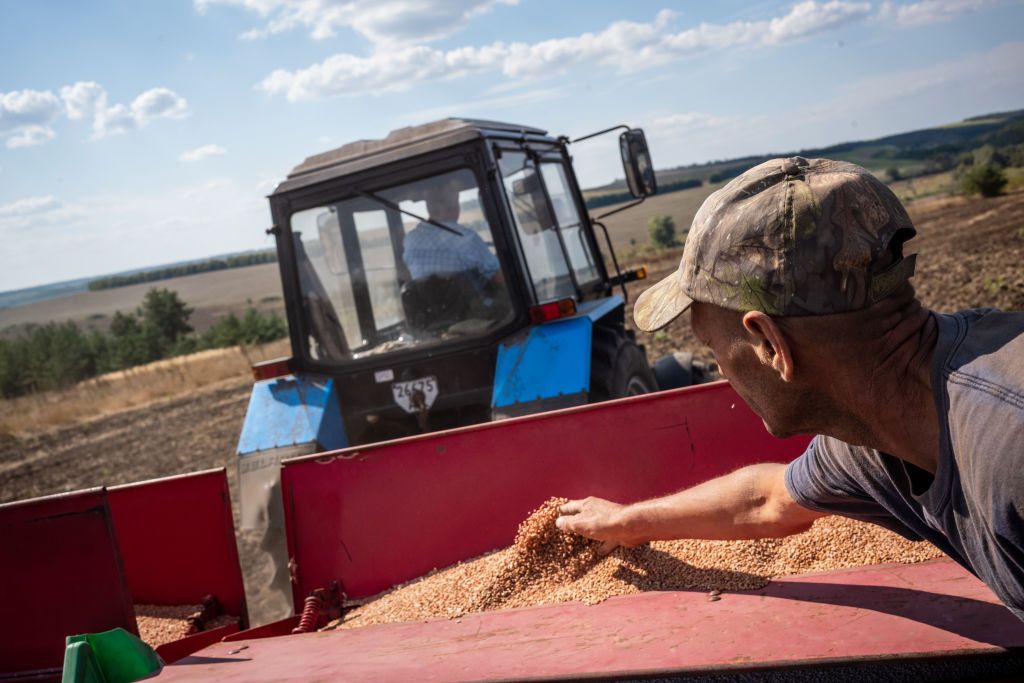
(252, 328)
(987, 180)
(44, 357)
(662, 231)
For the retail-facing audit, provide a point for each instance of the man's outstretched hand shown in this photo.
(599, 519)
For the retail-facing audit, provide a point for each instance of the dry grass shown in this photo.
(133, 388)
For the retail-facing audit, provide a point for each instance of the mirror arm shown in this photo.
(621, 126)
(621, 208)
(615, 261)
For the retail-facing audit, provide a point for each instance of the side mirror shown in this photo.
(636, 162)
(330, 241)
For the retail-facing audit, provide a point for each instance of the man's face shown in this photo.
(777, 403)
(443, 203)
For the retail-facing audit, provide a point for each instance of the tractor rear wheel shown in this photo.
(618, 367)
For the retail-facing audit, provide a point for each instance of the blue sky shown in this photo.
(140, 133)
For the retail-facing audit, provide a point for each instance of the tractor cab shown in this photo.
(409, 263)
(445, 275)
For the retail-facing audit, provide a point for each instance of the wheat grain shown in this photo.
(546, 565)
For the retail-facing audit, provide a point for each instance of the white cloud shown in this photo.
(380, 21)
(29, 205)
(82, 99)
(928, 11)
(623, 45)
(158, 103)
(25, 116)
(29, 136)
(21, 108)
(200, 153)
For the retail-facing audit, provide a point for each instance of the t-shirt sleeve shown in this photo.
(829, 477)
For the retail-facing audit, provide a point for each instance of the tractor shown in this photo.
(446, 275)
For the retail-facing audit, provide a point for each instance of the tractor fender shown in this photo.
(547, 366)
(287, 417)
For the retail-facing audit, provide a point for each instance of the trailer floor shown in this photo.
(932, 615)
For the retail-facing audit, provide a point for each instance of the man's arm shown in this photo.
(752, 502)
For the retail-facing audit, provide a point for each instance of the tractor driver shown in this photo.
(795, 277)
(432, 250)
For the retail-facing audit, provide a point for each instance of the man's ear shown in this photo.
(770, 344)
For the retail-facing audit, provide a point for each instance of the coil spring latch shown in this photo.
(321, 606)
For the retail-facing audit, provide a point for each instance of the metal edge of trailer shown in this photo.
(932, 619)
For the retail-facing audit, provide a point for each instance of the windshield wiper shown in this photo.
(391, 205)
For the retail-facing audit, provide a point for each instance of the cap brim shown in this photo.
(661, 304)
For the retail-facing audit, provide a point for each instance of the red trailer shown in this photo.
(370, 517)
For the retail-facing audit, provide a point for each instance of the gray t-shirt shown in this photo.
(972, 508)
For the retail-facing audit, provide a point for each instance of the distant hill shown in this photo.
(909, 154)
(29, 295)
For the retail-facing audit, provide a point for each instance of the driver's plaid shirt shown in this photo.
(429, 250)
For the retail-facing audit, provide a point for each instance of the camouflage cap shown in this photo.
(789, 237)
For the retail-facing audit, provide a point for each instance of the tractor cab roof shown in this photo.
(400, 143)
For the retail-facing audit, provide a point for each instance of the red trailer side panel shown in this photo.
(177, 538)
(61, 575)
(934, 615)
(375, 516)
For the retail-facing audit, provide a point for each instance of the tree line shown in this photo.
(236, 261)
(57, 355)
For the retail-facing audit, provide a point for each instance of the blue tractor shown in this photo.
(445, 275)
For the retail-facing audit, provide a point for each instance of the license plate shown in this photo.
(404, 393)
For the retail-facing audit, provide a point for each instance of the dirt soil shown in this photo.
(971, 254)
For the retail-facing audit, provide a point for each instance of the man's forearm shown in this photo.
(748, 503)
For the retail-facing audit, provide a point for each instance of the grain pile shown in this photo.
(161, 624)
(546, 565)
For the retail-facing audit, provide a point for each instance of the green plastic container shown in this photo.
(114, 656)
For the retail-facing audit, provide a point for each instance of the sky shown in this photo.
(138, 133)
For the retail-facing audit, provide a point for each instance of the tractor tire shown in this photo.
(618, 367)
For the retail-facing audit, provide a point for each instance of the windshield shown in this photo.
(399, 267)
